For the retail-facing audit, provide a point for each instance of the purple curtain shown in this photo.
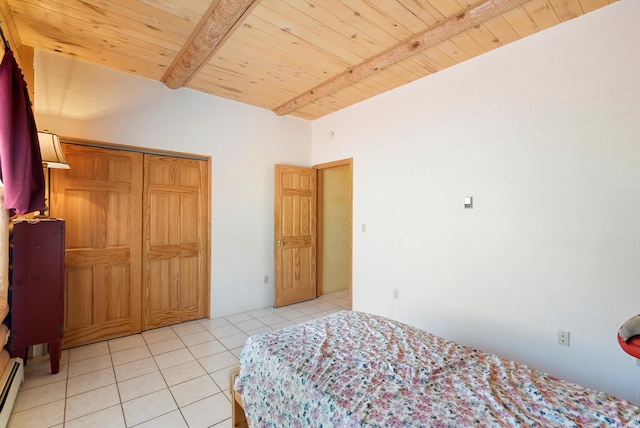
(20, 162)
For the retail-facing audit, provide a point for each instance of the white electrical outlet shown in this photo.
(563, 337)
(266, 279)
(396, 294)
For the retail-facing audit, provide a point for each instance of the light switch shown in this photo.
(468, 202)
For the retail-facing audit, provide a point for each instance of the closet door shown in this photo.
(175, 244)
(100, 198)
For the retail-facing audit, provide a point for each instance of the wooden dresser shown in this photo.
(36, 286)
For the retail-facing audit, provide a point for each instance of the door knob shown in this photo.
(279, 243)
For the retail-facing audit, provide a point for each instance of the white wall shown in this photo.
(545, 135)
(75, 99)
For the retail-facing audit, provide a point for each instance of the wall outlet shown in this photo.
(396, 294)
(563, 337)
(266, 279)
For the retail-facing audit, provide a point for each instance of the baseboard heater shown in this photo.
(10, 382)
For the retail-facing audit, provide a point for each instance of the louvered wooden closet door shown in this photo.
(100, 199)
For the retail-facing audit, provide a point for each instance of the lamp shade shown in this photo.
(51, 151)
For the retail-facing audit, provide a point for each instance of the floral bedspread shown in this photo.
(353, 369)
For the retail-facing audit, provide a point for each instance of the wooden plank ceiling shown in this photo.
(306, 58)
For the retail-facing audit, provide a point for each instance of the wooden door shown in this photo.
(294, 235)
(176, 279)
(100, 199)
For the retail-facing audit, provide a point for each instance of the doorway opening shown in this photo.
(335, 218)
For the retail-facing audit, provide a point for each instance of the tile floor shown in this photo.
(174, 376)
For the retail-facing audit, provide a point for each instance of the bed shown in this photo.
(355, 369)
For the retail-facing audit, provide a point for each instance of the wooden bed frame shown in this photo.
(238, 419)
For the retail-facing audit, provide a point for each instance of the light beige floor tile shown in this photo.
(234, 341)
(194, 390)
(194, 339)
(173, 358)
(297, 306)
(88, 351)
(64, 356)
(141, 385)
(158, 335)
(89, 365)
(281, 309)
(207, 412)
(281, 325)
(148, 407)
(342, 303)
(326, 306)
(236, 318)
(213, 323)
(260, 330)
(87, 382)
(46, 415)
(91, 401)
(325, 298)
(224, 424)
(170, 420)
(188, 328)
(37, 364)
(135, 369)
(290, 314)
(111, 417)
(127, 342)
(44, 362)
(272, 319)
(224, 331)
(205, 349)
(165, 346)
(183, 372)
(130, 354)
(34, 397)
(309, 310)
(259, 313)
(221, 378)
(219, 361)
(329, 312)
(302, 319)
(42, 377)
(251, 324)
(237, 351)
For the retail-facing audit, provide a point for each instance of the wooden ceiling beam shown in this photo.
(432, 36)
(218, 23)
